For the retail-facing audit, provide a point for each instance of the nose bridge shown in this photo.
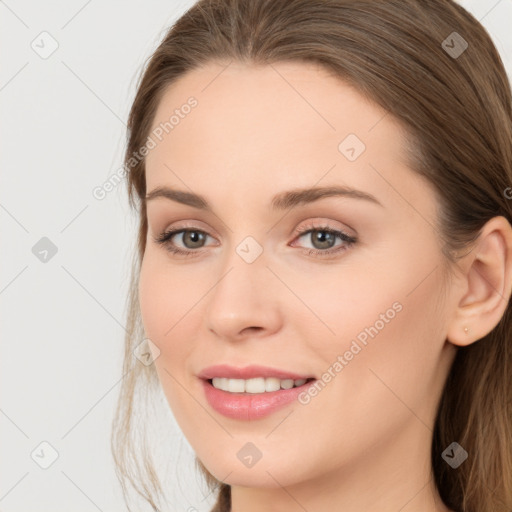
(243, 265)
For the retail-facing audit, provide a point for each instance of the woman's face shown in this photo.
(365, 314)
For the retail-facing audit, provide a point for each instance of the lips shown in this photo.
(249, 372)
(249, 406)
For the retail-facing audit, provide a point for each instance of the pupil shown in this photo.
(322, 236)
(194, 236)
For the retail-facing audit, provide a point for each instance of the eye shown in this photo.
(322, 237)
(192, 239)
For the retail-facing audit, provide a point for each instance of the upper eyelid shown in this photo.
(311, 225)
(311, 220)
(320, 226)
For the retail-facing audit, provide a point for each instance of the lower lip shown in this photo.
(251, 406)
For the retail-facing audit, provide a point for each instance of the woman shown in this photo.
(324, 260)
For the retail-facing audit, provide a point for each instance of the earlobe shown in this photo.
(487, 283)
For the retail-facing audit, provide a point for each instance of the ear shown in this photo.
(486, 284)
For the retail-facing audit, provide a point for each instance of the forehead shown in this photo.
(294, 101)
(285, 124)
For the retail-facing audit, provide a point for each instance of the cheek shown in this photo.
(376, 335)
(382, 383)
(166, 301)
(386, 355)
(152, 299)
(164, 297)
(339, 306)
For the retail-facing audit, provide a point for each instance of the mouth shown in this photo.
(253, 398)
(256, 385)
(252, 392)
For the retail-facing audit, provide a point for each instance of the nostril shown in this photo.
(254, 328)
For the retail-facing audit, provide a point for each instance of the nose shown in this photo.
(244, 302)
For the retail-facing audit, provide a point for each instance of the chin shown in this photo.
(269, 475)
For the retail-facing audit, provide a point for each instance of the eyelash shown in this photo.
(165, 237)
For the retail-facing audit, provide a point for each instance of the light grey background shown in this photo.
(62, 132)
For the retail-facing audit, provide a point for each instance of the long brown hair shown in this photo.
(433, 67)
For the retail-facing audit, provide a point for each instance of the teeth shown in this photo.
(256, 385)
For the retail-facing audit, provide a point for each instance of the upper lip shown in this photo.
(248, 372)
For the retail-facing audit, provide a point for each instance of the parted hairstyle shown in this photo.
(455, 106)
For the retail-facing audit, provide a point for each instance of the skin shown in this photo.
(363, 443)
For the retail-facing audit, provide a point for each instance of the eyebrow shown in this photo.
(281, 201)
